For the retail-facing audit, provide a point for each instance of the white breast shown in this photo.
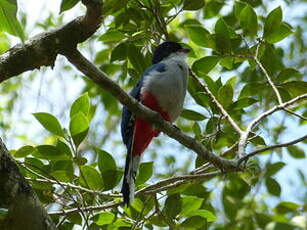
(169, 87)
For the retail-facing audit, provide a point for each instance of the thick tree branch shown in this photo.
(43, 49)
(25, 212)
(101, 79)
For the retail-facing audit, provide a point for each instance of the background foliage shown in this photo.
(70, 148)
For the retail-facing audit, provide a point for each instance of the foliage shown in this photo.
(70, 165)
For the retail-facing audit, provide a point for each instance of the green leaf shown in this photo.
(190, 203)
(286, 206)
(248, 20)
(82, 104)
(199, 35)
(194, 222)
(50, 123)
(225, 95)
(272, 169)
(288, 73)
(105, 161)
(227, 62)
(49, 152)
(242, 103)
(209, 216)
(120, 52)
(24, 151)
(272, 22)
(145, 172)
(105, 218)
(193, 4)
(173, 205)
(90, 178)
(112, 36)
(137, 59)
(283, 31)
(238, 7)
(296, 88)
(78, 127)
(192, 115)
(67, 5)
(8, 20)
(205, 65)
(107, 167)
(296, 152)
(272, 186)
(222, 36)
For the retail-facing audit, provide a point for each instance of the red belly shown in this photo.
(144, 131)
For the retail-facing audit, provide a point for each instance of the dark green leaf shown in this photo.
(24, 151)
(173, 205)
(105, 218)
(8, 20)
(50, 123)
(248, 20)
(296, 88)
(90, 178)
(120, 52)
(137, 59)
(272, 22)
(205, 65)
(193, 222)
(242, 103)
(192, 115)
(222, 36)
(145, 172)
(49, 152)
(82, 104)
(105, 161)
(288, 73)
(193, 4)
(296, 152)
(238, 7)
(286, 206)
(273, 186)
(272, 169)
(67, 4)
(225, 95)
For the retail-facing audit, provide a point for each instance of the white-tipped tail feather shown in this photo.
(128, 189)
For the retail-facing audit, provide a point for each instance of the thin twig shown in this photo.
(247, 156)
(218, 105)
(296, 114)
(244, 136)
(267, 75)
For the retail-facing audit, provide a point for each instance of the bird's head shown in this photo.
(166, 49)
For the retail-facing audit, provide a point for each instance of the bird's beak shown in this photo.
(185, 50)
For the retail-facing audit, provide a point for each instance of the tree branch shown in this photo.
(218, 105)
(249, 155)
(252, 124)
(42, 49)
(101, 79)
(25, 211)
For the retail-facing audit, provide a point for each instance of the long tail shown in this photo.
(128, 188)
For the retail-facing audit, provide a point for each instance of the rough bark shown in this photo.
(42, 49)
(24, 208)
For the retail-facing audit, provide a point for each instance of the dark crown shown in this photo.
(164, 50)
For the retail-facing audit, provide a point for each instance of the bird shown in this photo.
(162, 88)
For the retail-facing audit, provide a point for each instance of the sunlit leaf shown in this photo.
(50, 123)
